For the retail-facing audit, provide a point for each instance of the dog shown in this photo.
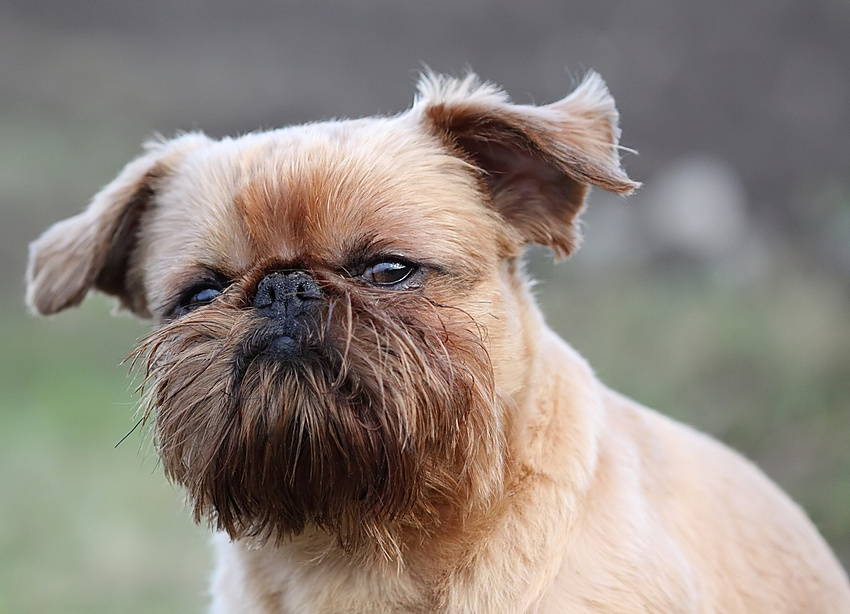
(351, 380)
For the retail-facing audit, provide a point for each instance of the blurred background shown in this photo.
(718, 294)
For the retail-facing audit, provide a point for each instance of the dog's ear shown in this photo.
(537, 161)
(93, 249)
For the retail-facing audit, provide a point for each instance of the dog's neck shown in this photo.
(543, 399)
(435, 571)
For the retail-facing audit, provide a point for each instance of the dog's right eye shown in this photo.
(195, 297)
(204, 296)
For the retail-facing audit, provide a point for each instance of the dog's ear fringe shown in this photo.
(435, 88)
(91, 249)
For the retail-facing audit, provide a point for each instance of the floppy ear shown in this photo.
(537, 161)
(93, 249)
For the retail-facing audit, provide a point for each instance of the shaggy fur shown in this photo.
(360, 448)
(351, 380)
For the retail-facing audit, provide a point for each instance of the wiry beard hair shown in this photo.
(387, 423)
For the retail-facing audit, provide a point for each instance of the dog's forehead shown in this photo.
(318, 192)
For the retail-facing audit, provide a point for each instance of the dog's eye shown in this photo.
(195, 297)
(203, 297)
(388, 273)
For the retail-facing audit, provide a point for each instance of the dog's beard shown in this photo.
(387, 422)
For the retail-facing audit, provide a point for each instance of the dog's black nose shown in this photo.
(291, 300)
(284, 295)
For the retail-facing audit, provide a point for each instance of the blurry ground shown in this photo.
(719, 294)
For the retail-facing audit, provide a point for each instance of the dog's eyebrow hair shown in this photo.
(363, 250)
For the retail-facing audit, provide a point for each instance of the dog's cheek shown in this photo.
(436, 367)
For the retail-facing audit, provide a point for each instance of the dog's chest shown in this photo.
(285, 580)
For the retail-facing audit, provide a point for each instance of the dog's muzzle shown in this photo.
(290, 300)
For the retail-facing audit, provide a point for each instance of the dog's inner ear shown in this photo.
(113, 277)
(537, 162)
(526, 189)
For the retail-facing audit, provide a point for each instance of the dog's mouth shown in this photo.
(283, 342)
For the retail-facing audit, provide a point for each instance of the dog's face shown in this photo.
(341, 323)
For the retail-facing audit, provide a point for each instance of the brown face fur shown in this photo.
(394, 415)
(377, 424)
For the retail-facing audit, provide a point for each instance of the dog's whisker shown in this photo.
(130, 432)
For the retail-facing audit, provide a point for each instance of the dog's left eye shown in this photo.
(388, 273)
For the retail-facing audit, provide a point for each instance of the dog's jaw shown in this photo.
(469, 564)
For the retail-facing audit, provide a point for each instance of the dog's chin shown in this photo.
(376, 425)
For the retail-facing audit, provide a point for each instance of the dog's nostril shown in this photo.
(265, 295)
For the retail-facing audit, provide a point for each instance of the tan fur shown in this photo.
(433, 447)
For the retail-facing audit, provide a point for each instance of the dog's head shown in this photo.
(339, 312)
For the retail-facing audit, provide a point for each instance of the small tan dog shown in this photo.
(354, 385)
